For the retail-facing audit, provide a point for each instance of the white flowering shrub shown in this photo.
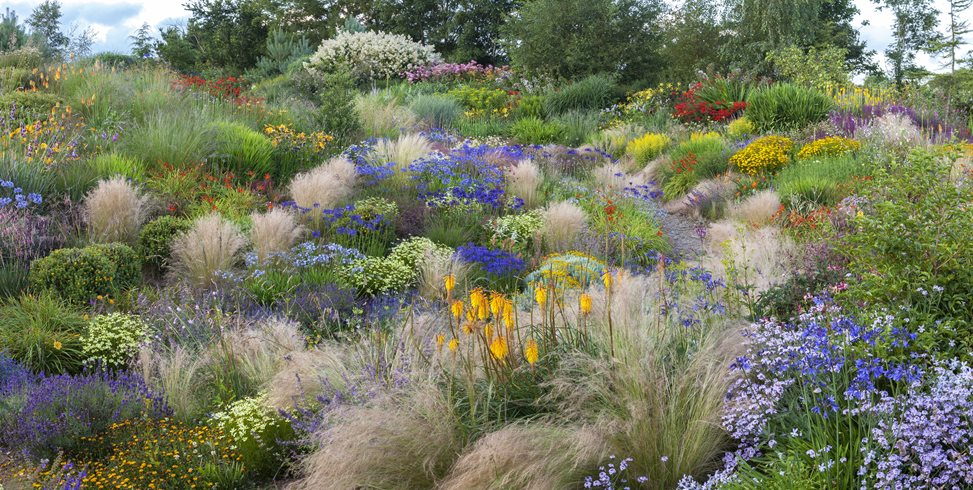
(412, 251)
(376, 275)
(372, 55)
(892, 133)
(517, 230)
(112, 340)
(257, 430)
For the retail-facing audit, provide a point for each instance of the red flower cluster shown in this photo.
(689, 109)
(228, 88)
(685, 164)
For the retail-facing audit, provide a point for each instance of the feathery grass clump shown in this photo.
(759, 209)
(325, 185)
(524, 181)
(273, 232)
(403, 150)
(563, 223)
(383, 117)
(114, 211)
(211, 245)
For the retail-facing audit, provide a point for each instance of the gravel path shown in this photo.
(679, 229)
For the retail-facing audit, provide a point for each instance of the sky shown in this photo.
(115, 20)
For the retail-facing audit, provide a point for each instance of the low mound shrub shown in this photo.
(765, 154)
(156, 238)
(591, 93)
(372, 56)
(82, 274)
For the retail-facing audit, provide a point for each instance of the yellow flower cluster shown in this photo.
(856, 97)
(828, 147)
(740, 128)
(643, 99)
(281, 134)
(49, 141)
(646, 147)
(158, 454)
(763, 155)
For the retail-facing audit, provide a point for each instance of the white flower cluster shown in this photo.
(372, 55)
(113, 339)
(249, 420)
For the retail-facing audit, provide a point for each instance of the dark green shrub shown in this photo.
(81, 274)
(156, 237)
(241, 149)
(819, 182)
(337, 113)
(117, 60)
(911, 249)
(533, 131)
(590, 94)
(578, 126)
(530, 106)
(785, 106)
(30, 105)
(42, 332)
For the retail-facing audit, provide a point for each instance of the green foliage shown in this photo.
(482, 127)
(820, 182)
(786, 106)
(42, 332)
(240, 149)
(574, 38)
(530, 106)
(112, 340)
(481, 101)
(179, 136)
(379, 275)
(30, 105)
(156, 237)
(412, 251)
(12, 79)
(26, 58)
(283, 49)
(176, 49)
(592, 93)
(258, 432)
(45, 24)
(107, 165)
(821, 69)
(437, 111)
(336, 113)
(81, 274)
(910, 249)
(712, 156)
(533, 131)
(578, 127)
(228, 35)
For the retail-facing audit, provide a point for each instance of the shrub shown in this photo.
(412, 251)
(765, 154)
(740, 128)
(156, 238)
(376, 275)
(114, 211)
(211, 245)
(436, 110)
(81, 274)
(515, 231)
(42, 332)
(240, 149)
(710, 154)
(273, 232)
(372, 56)
(830, 146)
(530, 106)
(578, 126)
(646, 147)
(533, 131)
(112, 340)
(910, 250)
(27, 57)
(785, 106)
(482, 101)
(60, 412)
(337, 113)
(257, 431)
(591, 93)
(12, 79)
(30, 105)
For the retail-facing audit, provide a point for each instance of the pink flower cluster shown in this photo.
(450, 72)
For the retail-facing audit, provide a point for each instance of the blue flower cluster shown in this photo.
(464, 176)
(495, 262)
(369, 171)
(345, 221)
(310, 254)
(18, 199)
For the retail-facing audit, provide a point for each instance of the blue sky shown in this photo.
(115, 20)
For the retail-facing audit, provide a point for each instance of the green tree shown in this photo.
(812, 67)
(12, 34)
(143, 43)
(175, 49)
(575, 38)
(834, 29)
(229, 34)
(45, 23)
(762, 26)
(693, 39)
(914, 29)
(957, 29)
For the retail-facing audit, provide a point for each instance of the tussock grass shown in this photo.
(114, 211)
